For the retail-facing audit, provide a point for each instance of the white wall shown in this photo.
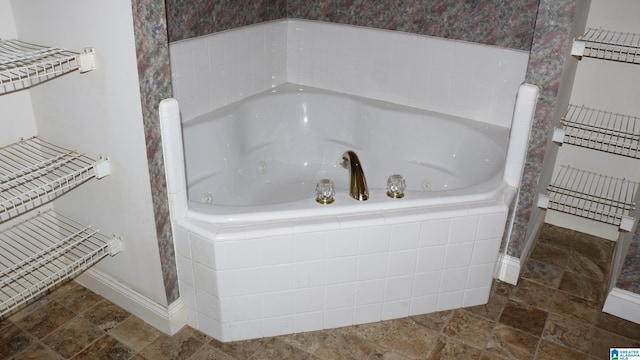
(99, 113)
(475, 81)
(17, 118)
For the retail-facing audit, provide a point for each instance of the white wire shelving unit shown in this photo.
(44, 251)
(39, 248)
(599, 130)
(34, 172)
(23, 65)
(583, 193)
(608, 45)
(593, 196)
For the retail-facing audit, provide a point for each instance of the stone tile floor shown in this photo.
(553, 313)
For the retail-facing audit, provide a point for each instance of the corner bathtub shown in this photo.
(257, 256)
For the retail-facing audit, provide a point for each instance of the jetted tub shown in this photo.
(257, 256)
(260, 159)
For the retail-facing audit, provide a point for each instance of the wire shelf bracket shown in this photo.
(23, 65)
(44, 251)
(607, 45)
(593, 196)
(34, 172)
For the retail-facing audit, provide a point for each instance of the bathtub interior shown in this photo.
(273, 147)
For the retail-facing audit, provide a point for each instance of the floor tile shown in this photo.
(208, 352)
(567, 332)
(106, 348)
(524, 318)
(550, 254)
(177, 347)
(37, 352)
(72, 337)
(469, 329)
(551, 351)
(603, 340)
(533, 294)
(135, 333)
(43, 317)
(542, 273)
(511, 343)
(580, 309)
(277, 349)
(445, 348)
(618, 326)
(344, 345)
(582, 287)
(435, 321)
(13, 340)
(75, 297)
(106, 315)
(239, 349)
(491, 310)
(557, 236)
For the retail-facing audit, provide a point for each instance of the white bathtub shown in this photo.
(257, 256)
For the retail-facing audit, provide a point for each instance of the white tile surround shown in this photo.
(248, 281)
(242, 282)
(475, 81)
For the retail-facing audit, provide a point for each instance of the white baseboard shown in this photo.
(623, 304)
(507, 269)
(168, 319)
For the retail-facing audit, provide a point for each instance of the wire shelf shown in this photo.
(601, 130)
(44, 251)
(590, 195)
(34, 172)
(23, 65)
(608, 45)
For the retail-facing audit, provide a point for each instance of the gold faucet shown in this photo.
(357, 182)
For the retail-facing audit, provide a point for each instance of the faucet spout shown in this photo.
(357, 182)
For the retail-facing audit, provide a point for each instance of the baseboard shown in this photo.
(507, 269)
(168, 319)
(623, 304)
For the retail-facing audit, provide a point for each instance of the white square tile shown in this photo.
(277, 304)
(364, 314)
(339, 296)
(310, 246)
(308, 300)
(203, 251)
(185, 270)
(205, 278)
(458, 255)
(434, 232)
(188, 295)
(405, 236)
(182, 242)
(398, 288)
(308, 322)
(342, 270)
(401, 263)
(426, 283)
(338, 318)
(309, 274)
(342, 243)
(238, 282)
(245, 330)
(477, 296)
(277, 250)
(491, 225)
(208, 304)
(431, 258)
(240, 254)
(463, 229)
(374, 239)
(210, 327)
(277, 278)
(277, 326)
(241, 308)
(369, 292)
(423, 305)
(395, 309)
(485, 251)
(372, 266)
(450, 300)
(480, 276)
(453, 279)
